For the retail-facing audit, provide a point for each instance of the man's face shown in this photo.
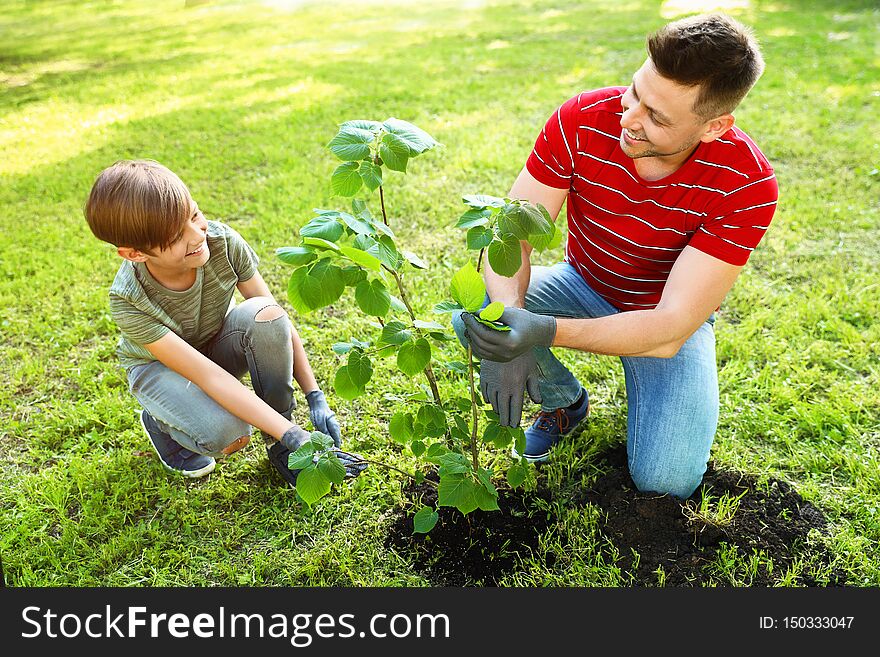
(658, 120)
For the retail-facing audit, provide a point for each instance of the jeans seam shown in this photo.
(635, 405)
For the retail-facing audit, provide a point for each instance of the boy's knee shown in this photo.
(262, 310)
(224, 438)
(235, 445)
(269, 313)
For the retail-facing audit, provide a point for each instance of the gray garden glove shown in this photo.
(527, 330)
(503, 384)
(323, 419)
(296, 437)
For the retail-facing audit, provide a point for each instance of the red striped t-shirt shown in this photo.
(624, 232)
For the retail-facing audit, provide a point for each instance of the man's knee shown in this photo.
(678, 482)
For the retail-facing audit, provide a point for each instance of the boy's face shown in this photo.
(188, 251)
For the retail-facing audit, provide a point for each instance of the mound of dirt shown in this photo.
(667, 534)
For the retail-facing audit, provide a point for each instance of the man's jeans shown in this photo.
(672, 402)
(243, 344)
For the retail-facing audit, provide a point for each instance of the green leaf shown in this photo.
(383, 249)
(312, 484)
(474, 218)
(486, 500)
(417, 447)
(382, 227)
(352, 275)
(302, 457)
(361, 258)
(344, 386)
(360, 368)
(516, 475)
(413, 357)
(324, 226)
(363, 124)
(331, 467)
(417, 140)
(414, 260)
(397, 305)
(320, 243)
(453, 463)
(351, 143)
(358, 225)
(458, 491)
(448, 307)
(436, 450)
(493, 311)
(481, 201)
(373, 297)
(295, 255)
(371, 174)
(395, 332)
(315, 286)
(505, 255)
(346, 181)
(519, 440)
(428, 326)
(467, 288)
(522, 220)
(394, 152)
(495, 326)
(545, 242)
(321, 441)
(479, 237)
(424, 520)
(401, 427)
(433, 420)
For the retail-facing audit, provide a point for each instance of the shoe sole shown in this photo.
(541, 458)
(189, 474)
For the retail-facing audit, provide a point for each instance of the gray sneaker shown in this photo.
(172, 455)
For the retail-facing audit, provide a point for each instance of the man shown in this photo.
(666, 201)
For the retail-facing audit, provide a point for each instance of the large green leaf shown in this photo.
(480, 201)
(360, 368)
(417, 140)
(344, 386)
(373, 297)
(516, 475)
(493, 311)
(324, 226)
(395, 332)
(457, 490)
(352, 275)
(312, 484)
(414, 260)
(448, 307)
(346, 181)
(320, 243)
(432, 418)
(523, 220)
(544, 242)
(371, 174)
(479, 237)
(363, 124)
(361, 258)
(295, 255)
(453, 463)
(467, 288)
(302, 457)
(505, 255)
(384, 249)
(331, 467)
(315, 286)
(424, 520)
(394, 152)
(359, 225)
(351, 143)
(400, 427)
(413, 357)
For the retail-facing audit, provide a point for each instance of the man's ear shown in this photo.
(129, 253)
(717, 127)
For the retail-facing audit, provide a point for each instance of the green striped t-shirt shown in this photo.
(145, 310)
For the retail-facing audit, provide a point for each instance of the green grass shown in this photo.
(239, 98)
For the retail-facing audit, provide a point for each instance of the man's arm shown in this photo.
(218, 384)
(512, 291)
(255, 286)
(696, 286)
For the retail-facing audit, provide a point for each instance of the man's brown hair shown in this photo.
(713, 51)
(139, 204)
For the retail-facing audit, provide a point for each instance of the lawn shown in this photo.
(240, 98)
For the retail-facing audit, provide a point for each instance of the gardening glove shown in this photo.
(296, 437)
(527, 330)
(323, 419)
(502, 385)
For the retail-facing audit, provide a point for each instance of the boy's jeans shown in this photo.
(243, 344)
(672, 402)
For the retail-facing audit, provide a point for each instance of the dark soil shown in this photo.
(772, 521)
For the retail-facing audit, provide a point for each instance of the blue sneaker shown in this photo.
(172, 455)
(550, 426)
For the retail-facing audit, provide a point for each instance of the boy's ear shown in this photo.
(129, 253)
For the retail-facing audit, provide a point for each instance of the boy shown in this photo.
(183, 353)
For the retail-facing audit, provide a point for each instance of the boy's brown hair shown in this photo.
(139, 204)
(713, 51)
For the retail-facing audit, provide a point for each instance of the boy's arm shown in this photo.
(173, 352)
(255, 286)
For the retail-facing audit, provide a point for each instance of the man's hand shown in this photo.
(527, 330)
(323, 419)
(503, 384)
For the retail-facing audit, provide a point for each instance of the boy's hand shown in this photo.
(323, 419)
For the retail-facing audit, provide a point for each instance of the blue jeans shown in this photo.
(244, 344)
(672, 402)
